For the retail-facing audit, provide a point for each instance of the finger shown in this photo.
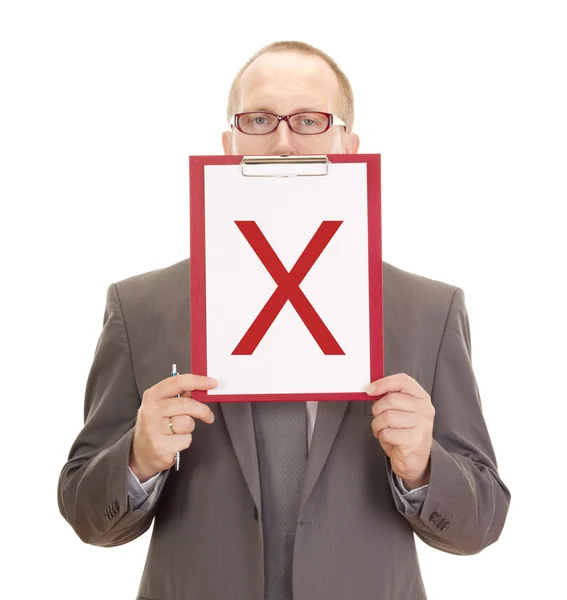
(401, 382)
(171, 407)
(181, 424)
(169, 445)
(396, 437)
(394, 419)
(171, 386)
(395, 401)
(176, 443)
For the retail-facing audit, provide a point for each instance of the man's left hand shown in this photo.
(403, 425)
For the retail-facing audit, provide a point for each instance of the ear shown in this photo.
(227, 142)
(351, 143)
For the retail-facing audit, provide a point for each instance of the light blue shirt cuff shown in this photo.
(412, 500)
(408, 493)
(139, 492)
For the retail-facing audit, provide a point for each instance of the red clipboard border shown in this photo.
(197, 266)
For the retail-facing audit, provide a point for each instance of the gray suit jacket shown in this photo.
(354, 538)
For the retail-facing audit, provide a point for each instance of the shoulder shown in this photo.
(415, 294)
(415, 283)
(155, 287)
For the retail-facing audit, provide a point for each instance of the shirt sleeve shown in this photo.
(411, 500)
(139, 492)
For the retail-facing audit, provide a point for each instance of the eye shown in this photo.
(308, 123)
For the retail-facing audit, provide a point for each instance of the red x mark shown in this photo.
(288, 288)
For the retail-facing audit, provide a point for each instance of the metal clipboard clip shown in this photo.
(285, 166)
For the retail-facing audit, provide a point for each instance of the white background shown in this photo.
(101, 105)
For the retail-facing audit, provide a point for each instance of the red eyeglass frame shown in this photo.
(331, 120)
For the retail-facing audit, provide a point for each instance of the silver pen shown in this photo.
(173, 374)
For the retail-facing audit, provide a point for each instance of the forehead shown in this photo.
(287, 81)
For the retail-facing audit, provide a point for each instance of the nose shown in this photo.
(282, 140)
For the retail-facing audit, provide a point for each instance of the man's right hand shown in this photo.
(154, 446)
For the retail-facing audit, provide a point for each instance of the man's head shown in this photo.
(286, 78)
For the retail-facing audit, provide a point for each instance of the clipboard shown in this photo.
(285, 301)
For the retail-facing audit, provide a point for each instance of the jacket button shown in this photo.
(256, 513)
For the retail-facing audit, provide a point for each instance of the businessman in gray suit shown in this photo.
(282, 500)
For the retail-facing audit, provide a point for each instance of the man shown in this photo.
(251, 514)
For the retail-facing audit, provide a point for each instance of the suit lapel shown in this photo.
(327, 422)
(238, 419)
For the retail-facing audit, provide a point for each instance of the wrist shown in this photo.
(417, 482)
(141, 472)
(414, 484)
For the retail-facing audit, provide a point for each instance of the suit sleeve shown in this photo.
(466, 503)
(93, 484)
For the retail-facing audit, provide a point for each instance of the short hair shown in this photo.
(346, 98)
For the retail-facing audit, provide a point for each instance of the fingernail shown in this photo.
(371, 389)
(211, 380)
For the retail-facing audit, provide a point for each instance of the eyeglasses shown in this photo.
(304, 123)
